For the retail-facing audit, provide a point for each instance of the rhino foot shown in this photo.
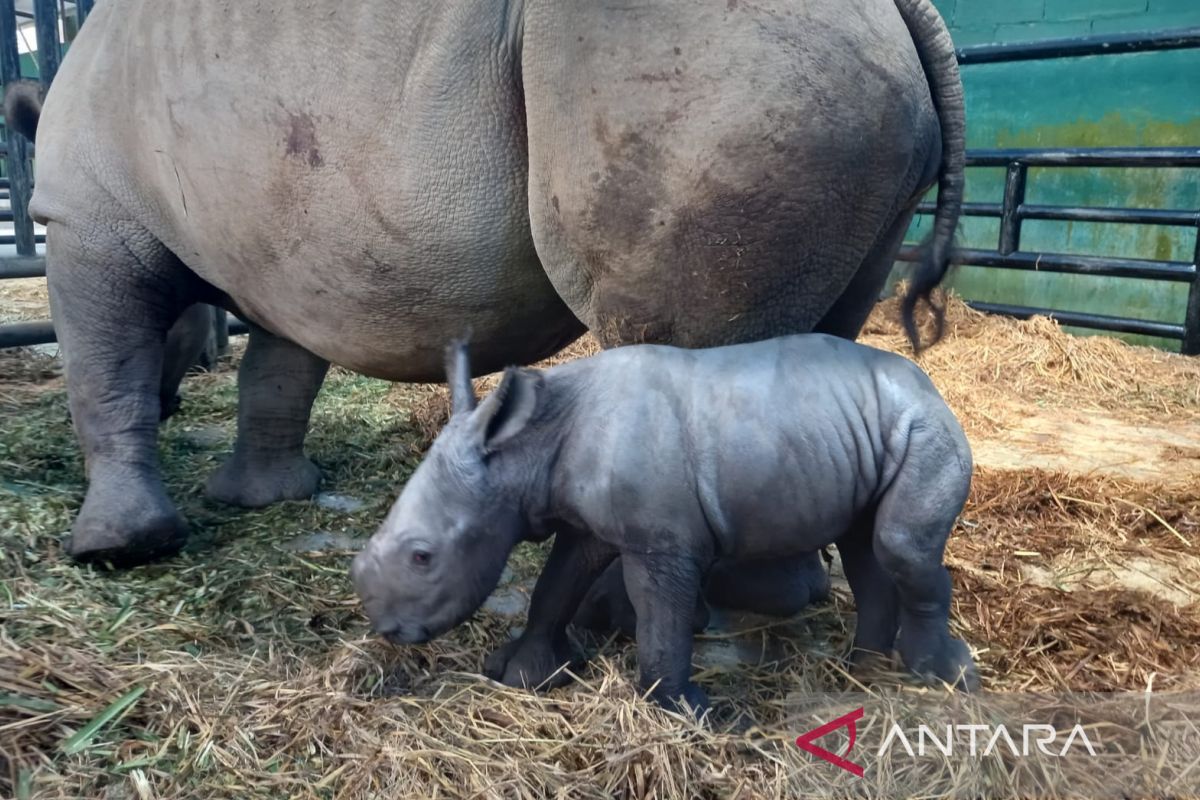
(530, 662)
(949, 660)
(691, 699)
(126, 524)
(242, 482)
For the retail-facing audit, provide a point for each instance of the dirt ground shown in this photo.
(243, 667)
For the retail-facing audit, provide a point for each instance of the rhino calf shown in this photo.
(675, 459)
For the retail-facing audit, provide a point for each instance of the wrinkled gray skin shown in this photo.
(779, 587)
(743, 453)
(363, 181)
(187, 338)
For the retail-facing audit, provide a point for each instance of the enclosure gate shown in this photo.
(1012, 211)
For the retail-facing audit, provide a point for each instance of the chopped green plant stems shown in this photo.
(28, 703)
(83, 738)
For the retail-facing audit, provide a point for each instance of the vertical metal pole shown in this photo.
(17, 157)
(70, 23)
(82, 9)
(1191, 319)
(49, 55)
(1010, 218)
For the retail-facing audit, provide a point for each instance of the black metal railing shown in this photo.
(1013, 211)
(17, 186)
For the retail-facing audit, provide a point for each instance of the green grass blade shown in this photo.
(27, 703)
(83, 737)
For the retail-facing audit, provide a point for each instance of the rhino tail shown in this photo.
(938, 59)
(23, 107)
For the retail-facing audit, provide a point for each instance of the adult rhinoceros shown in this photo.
(362, 181)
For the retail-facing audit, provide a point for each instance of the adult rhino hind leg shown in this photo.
(186, 340)
(277, 384)
(115, 291)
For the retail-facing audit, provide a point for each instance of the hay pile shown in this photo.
(243, 668)
(994, 370)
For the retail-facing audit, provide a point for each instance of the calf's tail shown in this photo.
(938, 59)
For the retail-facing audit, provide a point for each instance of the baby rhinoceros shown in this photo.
(673, 459)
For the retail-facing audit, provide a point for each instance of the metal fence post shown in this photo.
(1191, 319)
(17, 155)
(49, 55)
(1010, 217)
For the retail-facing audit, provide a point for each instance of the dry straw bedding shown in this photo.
(245, 669)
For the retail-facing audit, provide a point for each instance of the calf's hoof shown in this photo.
(125, 532)
(691, 699)
(533, 662)
(950, 662)
(239, 482)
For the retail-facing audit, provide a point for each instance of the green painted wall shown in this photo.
(1139, 99)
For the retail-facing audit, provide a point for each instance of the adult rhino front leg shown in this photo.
(115, 291)
(277, 384)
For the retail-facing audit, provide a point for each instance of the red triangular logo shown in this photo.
(847, 721)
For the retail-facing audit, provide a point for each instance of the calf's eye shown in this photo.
(420, 557)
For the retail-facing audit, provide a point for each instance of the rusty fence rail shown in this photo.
(1012, 210)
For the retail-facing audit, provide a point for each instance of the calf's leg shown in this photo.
(533, 659)
(912, 524)
(874, 595)
(277, 384)
(777, 587)
(663, 590)
(607, 607)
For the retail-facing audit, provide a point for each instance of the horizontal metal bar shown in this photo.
(10, 239)
(1075, 47)
(1086, 157)
(968, 209)
(4, 151)
(1080, 319)
(22, 267)
(1179, 271)
(26, 334)
(1134, 216)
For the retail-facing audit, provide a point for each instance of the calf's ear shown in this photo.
(458, 376)
(506, 412)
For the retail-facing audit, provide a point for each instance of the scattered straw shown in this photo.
(243, 669)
